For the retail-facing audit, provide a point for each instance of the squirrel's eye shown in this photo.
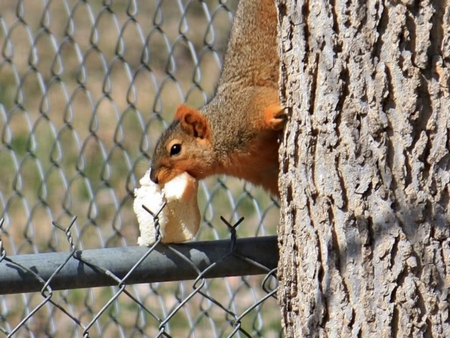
(175, 149)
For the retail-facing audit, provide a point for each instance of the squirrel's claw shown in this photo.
(275, 116)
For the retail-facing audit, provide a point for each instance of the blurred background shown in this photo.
(86, 88)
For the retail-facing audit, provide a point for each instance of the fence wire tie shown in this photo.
(2, 250)
(158, 235)
(67, 232)
(233, 239)
(233, 234)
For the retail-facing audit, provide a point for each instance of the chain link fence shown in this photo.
(86, 88)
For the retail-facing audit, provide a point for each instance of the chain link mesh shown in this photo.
(86, 88)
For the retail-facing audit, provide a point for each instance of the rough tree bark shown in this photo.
(365, 225)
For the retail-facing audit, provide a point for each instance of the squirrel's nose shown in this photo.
(153, 176)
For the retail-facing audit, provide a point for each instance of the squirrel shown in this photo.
(237, 132)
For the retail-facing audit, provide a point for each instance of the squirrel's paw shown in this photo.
(275, 116)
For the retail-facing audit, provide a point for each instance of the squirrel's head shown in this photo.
(184, 147)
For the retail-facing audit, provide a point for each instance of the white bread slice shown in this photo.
(179, 220)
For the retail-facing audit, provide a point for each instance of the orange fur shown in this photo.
(193, 122)
(258, 164)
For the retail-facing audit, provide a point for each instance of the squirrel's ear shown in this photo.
(193, 122)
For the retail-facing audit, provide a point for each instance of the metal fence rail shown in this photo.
(121, 267)
(86, 88)
(133, 265)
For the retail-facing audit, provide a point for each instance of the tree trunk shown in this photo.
(365, 224)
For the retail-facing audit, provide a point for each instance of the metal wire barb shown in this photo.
(86, 88)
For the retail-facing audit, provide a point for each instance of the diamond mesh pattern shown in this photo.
(86, 88)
